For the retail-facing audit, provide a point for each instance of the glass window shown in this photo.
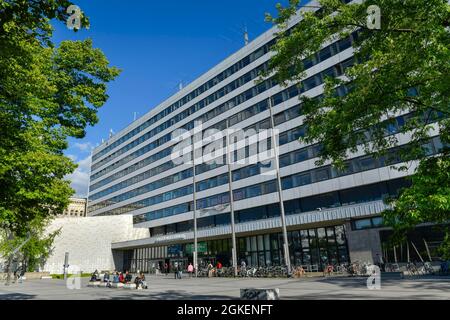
(325, 53)
(344, 44)
(321, 174)
(253, 191)
(279, 118)
(277, 99)
(310, 83)
(267, 242)
(367, 163)
(238, 195)
(223, 219)
(260, 243)
(362, 224)
(302, 180)
(360, 194)
(254, 246)
(304, 238)
(330, 236)
(377, 222)
(283, 138)
(287, 183)
(185, 226)
(309, 62)
(273, 210)
(328, 73)
(285, 160)
(300, 156)
(340, 235)
(206, 222)
(270, 187)
(292, 207)
(171, 229)
(319, 202)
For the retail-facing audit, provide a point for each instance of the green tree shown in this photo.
(47, 94)
(30, 251)
(402, 67)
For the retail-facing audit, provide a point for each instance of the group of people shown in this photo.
(213, 271)
(177, 269)
(120, 277)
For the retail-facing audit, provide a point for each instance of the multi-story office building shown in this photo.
(332, 216)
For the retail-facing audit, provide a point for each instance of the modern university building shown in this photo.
(331, 216)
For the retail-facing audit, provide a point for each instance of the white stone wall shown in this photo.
(88, 241)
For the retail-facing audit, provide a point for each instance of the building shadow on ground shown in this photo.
(17, 296)
(168, 295)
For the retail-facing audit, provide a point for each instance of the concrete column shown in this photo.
(363, 245)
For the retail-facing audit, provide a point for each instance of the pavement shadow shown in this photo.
(168, 295)
(17, 296)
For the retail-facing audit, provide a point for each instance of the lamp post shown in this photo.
(230, 188)
(197, 137)
(280, 191)
(195, 212)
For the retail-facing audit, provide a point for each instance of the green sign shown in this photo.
(202, 247)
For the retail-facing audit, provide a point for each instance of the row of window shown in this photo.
(155, 157)
(249, 112)
(318, 246)
(304, 178)
(362, 194)
(160, 198)
(316, 175)
(307, 85)
(179, 176)
(391, 126)
(143, 176)
(184, 114)
(195, 93)
(212, 182)
(360, 164)
(203, 185)
(369, 223)
(306, 153)
(259, 107)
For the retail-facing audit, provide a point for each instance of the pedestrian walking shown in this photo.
(175, 270)
(190, 269)
(243, 269)
(166, 269)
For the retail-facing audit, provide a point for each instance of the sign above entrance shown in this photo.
(202, 247)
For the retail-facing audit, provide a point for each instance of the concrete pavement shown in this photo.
(222, 288)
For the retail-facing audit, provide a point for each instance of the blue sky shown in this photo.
(157, 44)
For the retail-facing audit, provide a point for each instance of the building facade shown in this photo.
(331, 216)
(76, 208)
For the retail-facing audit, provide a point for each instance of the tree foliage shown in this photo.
(47, 94)
(31, 250)
(402, 67)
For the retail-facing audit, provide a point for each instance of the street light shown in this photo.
(230, 188)
(196, 137)
(280, 191)
(195, 214)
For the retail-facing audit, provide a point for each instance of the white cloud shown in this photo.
(84, 147)
(80, 178)
(72, 157)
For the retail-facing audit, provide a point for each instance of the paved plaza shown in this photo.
(223, 288)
